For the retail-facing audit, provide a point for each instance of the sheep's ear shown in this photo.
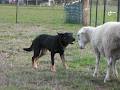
(86, 29)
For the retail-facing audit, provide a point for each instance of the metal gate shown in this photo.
(102, 11)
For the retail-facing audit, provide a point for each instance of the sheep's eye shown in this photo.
(78, 37)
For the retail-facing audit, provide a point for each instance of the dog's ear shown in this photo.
(60, 34)
(71, 33)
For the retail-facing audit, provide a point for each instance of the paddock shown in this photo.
(16, 72)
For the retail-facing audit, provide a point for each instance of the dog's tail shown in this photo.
(28, 49)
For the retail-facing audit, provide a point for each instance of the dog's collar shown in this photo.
(62, 44)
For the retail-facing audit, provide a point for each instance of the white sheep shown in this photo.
(105, 40)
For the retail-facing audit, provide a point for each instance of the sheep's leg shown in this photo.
(107, 77)
(115, 72)
(96, 71)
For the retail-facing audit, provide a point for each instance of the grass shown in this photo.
(16, 72)
(42, 16)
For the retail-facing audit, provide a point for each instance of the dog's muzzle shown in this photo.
(72, 41)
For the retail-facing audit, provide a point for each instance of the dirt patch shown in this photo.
(3, 79)
(3, 55)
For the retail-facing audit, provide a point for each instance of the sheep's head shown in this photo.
(83, 37)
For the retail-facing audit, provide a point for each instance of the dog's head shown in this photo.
(66, 38)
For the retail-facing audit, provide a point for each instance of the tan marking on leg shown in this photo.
(53, 68)
(63, 61)
(34, 63)
(66, 66)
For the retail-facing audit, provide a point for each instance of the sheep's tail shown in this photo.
(28, 49)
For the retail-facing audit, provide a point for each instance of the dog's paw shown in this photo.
(35, 66)
(53, 68)
(66, 66)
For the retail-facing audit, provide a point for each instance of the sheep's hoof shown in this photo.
(106, 80)
(115, 76)
(95, 75)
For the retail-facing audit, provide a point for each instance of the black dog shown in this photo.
(55, 44)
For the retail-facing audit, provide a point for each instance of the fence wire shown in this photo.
(101, 11)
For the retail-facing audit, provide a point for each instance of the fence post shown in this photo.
(118, 11)
(96, 13)
(17, 5)
(36, 2)
(85, 12)
(27, 2)
(90, 11)
(104, 16)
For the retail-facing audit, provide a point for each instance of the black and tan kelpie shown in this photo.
(55, 44)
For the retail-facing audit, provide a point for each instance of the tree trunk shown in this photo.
(85, 12)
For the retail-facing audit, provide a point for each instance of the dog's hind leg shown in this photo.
(37, 54)
(42, 52)
(35, 57)
(63, 60)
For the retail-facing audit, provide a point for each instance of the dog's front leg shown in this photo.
(63, 60)
(52, 62)
(34, 63)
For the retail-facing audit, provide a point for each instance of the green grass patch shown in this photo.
(52, 17)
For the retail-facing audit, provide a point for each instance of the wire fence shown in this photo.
(101, 11)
